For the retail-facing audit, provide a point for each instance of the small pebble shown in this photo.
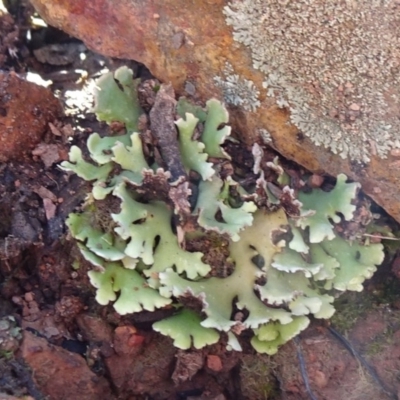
(354, 107)
(214, 363)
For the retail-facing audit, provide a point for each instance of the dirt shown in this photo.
(57, 343)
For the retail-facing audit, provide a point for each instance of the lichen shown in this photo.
(326, 63)
(285, 265)
(237, 91)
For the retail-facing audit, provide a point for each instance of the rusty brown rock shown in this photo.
(127, 341)
(94, 328)
(54, 369)
(25, 111)
(214, 363)
(142, 368)
(189, 44)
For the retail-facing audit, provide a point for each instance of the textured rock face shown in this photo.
(54, 369)
(320, 81)
(25, 110)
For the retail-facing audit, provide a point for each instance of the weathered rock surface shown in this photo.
(135, 367)
(325, 70)
(25, 111)
(55, 369)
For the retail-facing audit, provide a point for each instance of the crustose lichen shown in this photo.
(333, 64)
(237, 91)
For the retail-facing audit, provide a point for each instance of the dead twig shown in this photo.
(380, 237)
(162, 122)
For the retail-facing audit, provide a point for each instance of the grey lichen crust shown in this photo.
(237, 91)
(335, 65)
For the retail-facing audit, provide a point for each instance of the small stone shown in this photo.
(320, 379)
(4, 325)
(29, 296)
(178, 39)
(17, 300)
(354, 107)
(333, 113)
(395, 152)
(315, 181)
(50, 331)
(190, 88)
(126, 341)
(214, 363)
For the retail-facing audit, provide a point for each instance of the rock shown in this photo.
(188, 363)
(329, 109)
(214, 363)
(54, 369)
(94, 329)
(127, 341)
(320, 379)
(142, 369)
(25, 111)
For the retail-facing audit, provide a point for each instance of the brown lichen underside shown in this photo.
(184, 41)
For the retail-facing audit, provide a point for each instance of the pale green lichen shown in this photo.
(212, 199)
(140, 224)
(117, 279)
(141, 262)
(218, 294)
(190, 330)
(192, 151)
(270, 336)
(326, 63)
(320, 208)
(213, 134)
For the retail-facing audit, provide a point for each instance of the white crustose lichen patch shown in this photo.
(236, 90)
(335, 65)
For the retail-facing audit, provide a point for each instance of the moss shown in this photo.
(376, 347)
(382, 293)
(350, 307)
(257, 378)
(7, 355)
